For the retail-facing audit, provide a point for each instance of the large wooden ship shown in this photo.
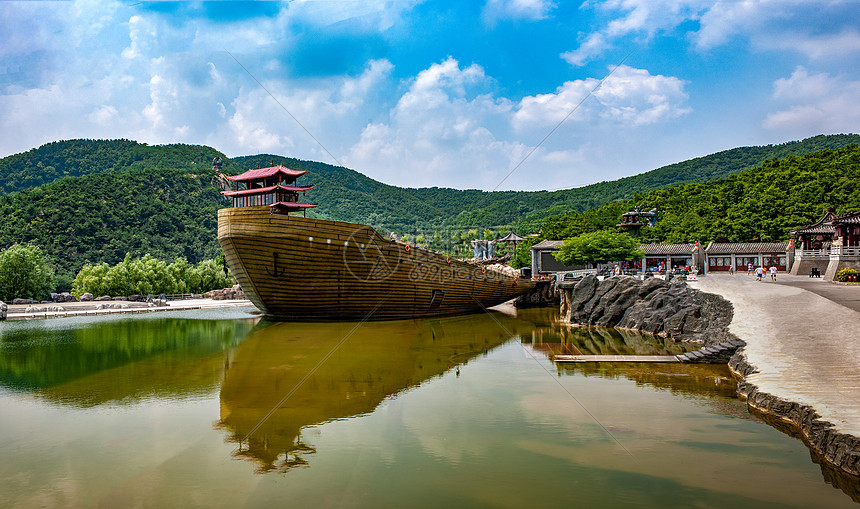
(298, 268)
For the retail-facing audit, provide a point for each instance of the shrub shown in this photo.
(845, 274)
(25, 272)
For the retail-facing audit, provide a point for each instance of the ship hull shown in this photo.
(296, 268)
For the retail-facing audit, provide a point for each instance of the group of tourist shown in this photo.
(759, 272)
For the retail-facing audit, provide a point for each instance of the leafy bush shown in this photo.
(599, 247)
(845, 274)
(25, 272)
(147, 275)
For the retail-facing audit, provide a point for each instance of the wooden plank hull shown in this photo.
(296, 268)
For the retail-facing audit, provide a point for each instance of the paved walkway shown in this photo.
(803, 340)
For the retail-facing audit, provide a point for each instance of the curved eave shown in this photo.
(259, 190)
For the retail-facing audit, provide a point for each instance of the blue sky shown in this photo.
(435, 93)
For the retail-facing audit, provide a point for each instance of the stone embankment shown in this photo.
(653, 305)
(841, 450)
(545, 293)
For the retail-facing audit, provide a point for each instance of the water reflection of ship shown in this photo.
(287, 376)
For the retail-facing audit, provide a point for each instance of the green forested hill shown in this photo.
(118, 197)
(76, 158)
(760, 204)
(166, 213)
(347, 195)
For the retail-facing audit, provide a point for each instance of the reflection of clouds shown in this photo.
(450, 436)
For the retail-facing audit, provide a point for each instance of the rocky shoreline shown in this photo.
(652, 305)
(839, 450)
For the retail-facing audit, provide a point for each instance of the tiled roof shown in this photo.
(510, 237)
(667, 249)
(746, 247)
(849, 218)
(259, 190)
(548, 244)
(823, 225)
(828, 229)
(267, 172)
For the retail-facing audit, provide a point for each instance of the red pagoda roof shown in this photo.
(286, 207)
(266, 172)
(290, 205)
(257, 190)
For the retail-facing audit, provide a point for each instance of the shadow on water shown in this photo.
(287, 376)
(116, 361)
(847, 483)
(562, 339)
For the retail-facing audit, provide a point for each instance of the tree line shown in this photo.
(26, 272)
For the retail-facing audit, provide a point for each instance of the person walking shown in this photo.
(759, 273)
(749, 269)
(732, 269)
(772, 271)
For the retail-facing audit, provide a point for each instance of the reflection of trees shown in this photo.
(114, 360)
(287, 376)
(565, 339)
(554, 339)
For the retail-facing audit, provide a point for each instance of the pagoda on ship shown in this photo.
(275, 186)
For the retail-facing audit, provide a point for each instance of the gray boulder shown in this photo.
(87, 297)
(102, 298)
(3, 310)
(653, 305)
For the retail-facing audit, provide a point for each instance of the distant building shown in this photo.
(721, 257)
(828, 245)
(634, 220)
(670, 256)
(543, 259)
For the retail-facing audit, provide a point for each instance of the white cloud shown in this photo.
(103, 115)
(819, 30)
(495, 10)
(594, 44)
(814, 102)
(442, 132)
(629, 97)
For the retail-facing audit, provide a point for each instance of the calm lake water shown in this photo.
(223, 409)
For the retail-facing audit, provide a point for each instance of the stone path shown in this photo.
(805, 346)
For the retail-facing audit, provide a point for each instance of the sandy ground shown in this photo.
(804, 337)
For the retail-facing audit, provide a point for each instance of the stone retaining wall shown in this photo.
(838, 449)
(544, 293)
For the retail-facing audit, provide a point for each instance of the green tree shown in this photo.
(25, 272)
(599, 247)
(522, 256)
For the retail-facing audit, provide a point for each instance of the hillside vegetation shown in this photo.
(85, 201)
(761, 204)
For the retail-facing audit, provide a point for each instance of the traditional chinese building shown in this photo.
(662, 257)
(275, 187)
(543, 258)
(721, 257)
(812, 245)
(828, 245)
(845, 249)
(634, 220)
